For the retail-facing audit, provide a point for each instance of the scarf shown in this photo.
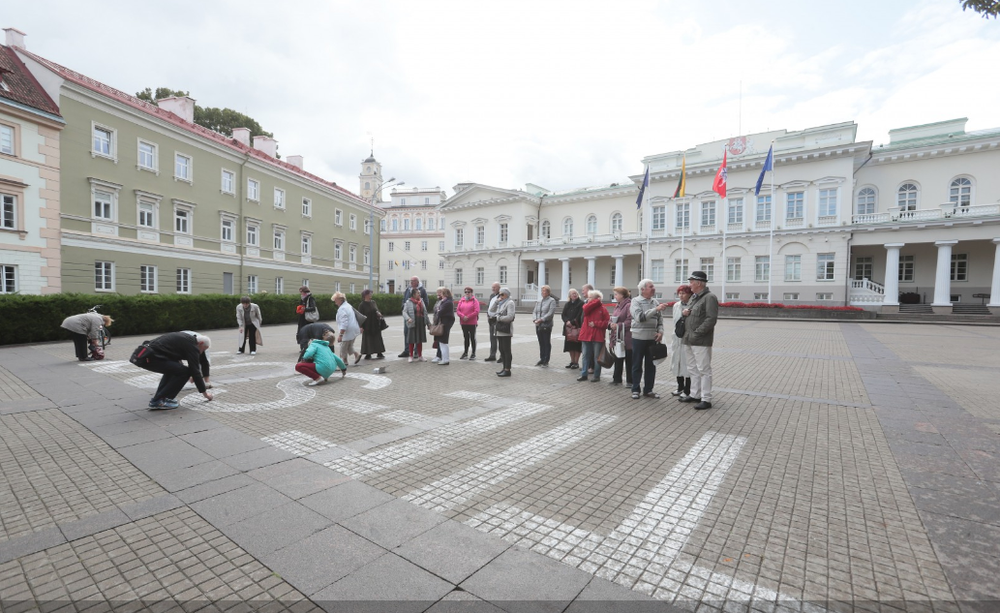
(418, 305)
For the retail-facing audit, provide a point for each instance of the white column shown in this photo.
(565, 279)
(541, 274)
(619, 270)
(995, 286)
(591, 270)
(942, 279)
(891, 297)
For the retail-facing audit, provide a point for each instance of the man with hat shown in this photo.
(701, 316)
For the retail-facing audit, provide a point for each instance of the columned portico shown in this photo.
(995, 285)
(542, 280)
(591, 270)
(942, 277)
(619, 269)
(565, 279)
(892, 274)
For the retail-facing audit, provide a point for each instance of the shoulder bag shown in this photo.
(437, 330)
(140, 357)
(679, 328)
(572, 333)
(605, 359)
(361, 318)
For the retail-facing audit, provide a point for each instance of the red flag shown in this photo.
(719, 185)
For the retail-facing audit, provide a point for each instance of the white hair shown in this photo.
(596, 293)
(644, 283)
(203, 340)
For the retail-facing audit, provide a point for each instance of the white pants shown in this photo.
(699, 363)
(445, 352)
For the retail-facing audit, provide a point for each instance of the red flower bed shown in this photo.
(778, 305)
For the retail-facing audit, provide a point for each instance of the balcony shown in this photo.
(611, 238)
(945, 211)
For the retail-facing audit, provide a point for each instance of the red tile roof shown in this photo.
(152, 109)
(21, 84)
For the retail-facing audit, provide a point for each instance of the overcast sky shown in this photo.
(562, 94)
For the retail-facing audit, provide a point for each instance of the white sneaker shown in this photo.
(676, 393)
(317, 382)
(435, 360)
(410, 360)
(253, 353)
(422, 359)
(682, 396)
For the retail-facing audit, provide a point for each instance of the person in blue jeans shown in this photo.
(647, 330)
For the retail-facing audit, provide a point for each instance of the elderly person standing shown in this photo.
(415, 318)
(347, 323)
(307, 309)
(678, 361)
(572, 317)
(371, 332)
(504, 329)
(621, 330)
(248, 319)
(699, 333)
(444, 314)
(543, 314)
(647, 330)
(491, 319)
(595, 324)
(467, 310)
(85, 329)
(414, 287)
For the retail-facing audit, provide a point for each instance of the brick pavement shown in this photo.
(845, 467)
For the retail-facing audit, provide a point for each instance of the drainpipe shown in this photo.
(242, 243)
(870, 155)
(847, 294)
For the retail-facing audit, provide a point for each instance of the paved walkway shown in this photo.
(846, 466)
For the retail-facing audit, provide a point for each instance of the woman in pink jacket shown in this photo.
(467, 310)
(595, 324)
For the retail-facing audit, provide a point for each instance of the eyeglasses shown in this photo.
(468, 291)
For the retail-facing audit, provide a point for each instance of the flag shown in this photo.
(682, 182)
(719, 185)
(642, 189)
(768, 165)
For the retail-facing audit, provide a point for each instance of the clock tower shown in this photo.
(371, 178)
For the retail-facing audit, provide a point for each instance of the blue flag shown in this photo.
(768, 165)
(642, 189)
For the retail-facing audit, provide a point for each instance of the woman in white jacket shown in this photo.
(678, 365)
(348, 326)
(248, 319)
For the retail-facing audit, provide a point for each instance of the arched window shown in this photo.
(616, 222)
(960, 192)
(546, 229)
(906, 197)
(592, 224)
(568, 226)
(866, 201)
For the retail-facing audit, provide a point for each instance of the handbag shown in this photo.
(257, 337)
(140, 357)
(572, 333)
(659, 351)
(437, 330)
(605, 359)
(504, 327)
(545, 326)
(361, 318)
(382, 325)
(679, 328)
(312, 316)
(618, 349)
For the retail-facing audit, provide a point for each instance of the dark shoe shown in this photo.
(86, 359)
(539, 363)
(574, 366)
(368, 357)
(583, 378)
(689, 399)
(545, 364)
(676, 392)
(405, 354)
(635, 395)
(701, 406)
(239, 351)
(570, 365)
(616, 382)
(503, 373)
(380, 357)
(472, 357)
(652, 395)
(465, 356)
(357, 359)
(490, 359)
(595, 380)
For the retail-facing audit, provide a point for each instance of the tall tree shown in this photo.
(987, 8)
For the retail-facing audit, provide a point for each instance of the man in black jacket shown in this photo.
(168, 351)
(310, 332)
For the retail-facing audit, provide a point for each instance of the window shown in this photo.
(228, 182)
(734, 270)
(368, 226)
(960, 192)
(8, 214)
(568, 227)
(480, 235)
(228, 230)
(441, 265)
(480, 275)
(732, 296)
(458, 276)
(352, 254)
(307, 207)
(392, 246)
(708, 266)
(680, 271)
(104, 206)
(503, 233)
(338, 250)
(252, 284)
(591, 224)
(708, 214)
(423, 264)
(430, 223)
(906, 263)
(381, 226)
(104, 142)
(279, 285)
(367, 257)
(182, 221)
(656, 271)
(828, 203)
(790, 296)
(683, 215)
(503, 275)
(793, 268)
(279, 198)
(428, 201)
(7, 140)
(406, 224)
(406, 245)
(763, 209)
(959, 267)
(824, 296)
(825, 266)
(402, 201)
(760, 296)
(352, 223)
(147, 156)
(183, 280)
(104, 276)
(395, 225)
(762, 268)
(253, 190)
(440, 245)
(8, 279)
(906, 197)
(306, 244)
(182, 167)
(459, 237)
(279, 239)
(866, 201)
(423, 245)
(338, 218)
(418, 224)
(147, 279)
(616, 223)
(735, 214)
(863, 267)
(794, 205)
(305, 282)
(659, 217)
(546, 229)
(391, 265)
(252, 234)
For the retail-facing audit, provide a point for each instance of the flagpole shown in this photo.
(770, 244)
(725, 221)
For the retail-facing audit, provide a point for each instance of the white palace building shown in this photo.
(847, 223)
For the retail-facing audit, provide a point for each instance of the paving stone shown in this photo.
(519, 580)
(393, 523)
(224, 442)
(346, 500)
(159, 457)
(257, 458)
(17, 547)
(276, 528)
(367, 589)
(451, 550)
(151, 506)
(322, 558)
(93, 524)
(239, 504)
(185, 478)
(298, 478)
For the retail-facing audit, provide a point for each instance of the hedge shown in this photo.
(34, 319)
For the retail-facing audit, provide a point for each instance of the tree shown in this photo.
(988, 8)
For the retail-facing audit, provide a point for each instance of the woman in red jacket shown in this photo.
(595, 323)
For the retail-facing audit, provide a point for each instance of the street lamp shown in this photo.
(371, 229)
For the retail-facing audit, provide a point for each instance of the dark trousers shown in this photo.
(469, 334)
(642, 361)
(80, 345)
(627, 363)
(406, 334)
(175, 375)
(504, 346)
(493, 338)
(544, 343)
(249, 332)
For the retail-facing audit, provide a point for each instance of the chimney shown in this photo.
(295, 160)
(15, 38)
(242, 136)
(182, 106)
(266, 144)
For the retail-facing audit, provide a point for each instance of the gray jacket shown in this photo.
(647, 322)
(505, 312)
(699, 329)
(545, 310)
(88, 324)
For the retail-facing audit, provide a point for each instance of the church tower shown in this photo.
(371, 178)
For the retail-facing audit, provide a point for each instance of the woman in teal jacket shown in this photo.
(319, 361)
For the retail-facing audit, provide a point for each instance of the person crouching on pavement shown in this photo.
(319, 361)
(167, 354)
(85, 329)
